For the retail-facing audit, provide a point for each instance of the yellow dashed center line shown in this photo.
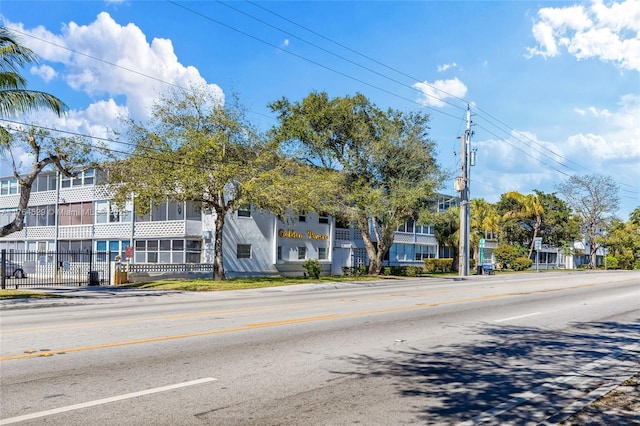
(280, 323)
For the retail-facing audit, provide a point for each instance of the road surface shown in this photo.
(517, 349)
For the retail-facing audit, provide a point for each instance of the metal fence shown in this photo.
(68, 268)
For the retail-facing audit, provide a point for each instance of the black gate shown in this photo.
(68, 268)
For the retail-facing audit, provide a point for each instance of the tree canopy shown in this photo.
(594, 199)
(385, 160)
(15, 98)
(43, 150)
(196, 148)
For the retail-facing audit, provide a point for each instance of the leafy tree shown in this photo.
(529, 211)
(15, 99)
(385, 159)
(594, 199)
(194, 148)
(537, 215)
(484, 221)
(559, 225)
(634, 216)
(623, 242)
(506, 254)
(447, 231)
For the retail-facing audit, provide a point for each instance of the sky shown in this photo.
(553, 87)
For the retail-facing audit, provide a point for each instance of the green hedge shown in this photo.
(403, 271)
(438, 265)
(521, 263)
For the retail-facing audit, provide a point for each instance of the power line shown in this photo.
(543, 151)
(342, 57)
(207, 17)
(518, 138)
(359, 54)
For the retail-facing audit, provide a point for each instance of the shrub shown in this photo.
(611, 262)
(521, 263)
(472, 263)
(430, 265)
(312, 266)
(436, 265)
(445, 264)
(413, 271)
(505, 255)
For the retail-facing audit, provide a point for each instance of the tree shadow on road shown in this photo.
(459, 382)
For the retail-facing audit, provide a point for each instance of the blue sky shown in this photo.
(554, 87)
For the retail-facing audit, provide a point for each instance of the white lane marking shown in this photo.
(518, 317)
(104, 401)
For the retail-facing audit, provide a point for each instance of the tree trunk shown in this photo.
(218, 265)
(593, 251)
(536, 227)
(375, 265)
(18, 222)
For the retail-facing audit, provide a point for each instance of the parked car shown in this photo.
(13, 269)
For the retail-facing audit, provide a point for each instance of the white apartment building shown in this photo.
(76, 214)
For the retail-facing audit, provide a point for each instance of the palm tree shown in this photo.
(527, 207)
(447, 230)
(484, 220)
(14, 97)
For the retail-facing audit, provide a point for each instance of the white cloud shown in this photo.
(609, 32)
(522, 162)
(442, 68)
(107, 60)
(45, 72)
(436, 93)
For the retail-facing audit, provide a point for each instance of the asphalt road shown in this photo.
(514, 349)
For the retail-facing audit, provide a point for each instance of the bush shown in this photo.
(472, 263)
(413, 271)
(521, 263)
(437, 265)
(505, 255)
(611, 262)
(355, 270)
(312, 266)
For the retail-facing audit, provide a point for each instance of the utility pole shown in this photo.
(463, 187)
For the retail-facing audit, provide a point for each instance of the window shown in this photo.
(302, 253)
(243, 251)
(41, 216)
(76, 214)
(302, 218)
(193, 211)
(322, 253)
(323, 219)
(244, 211)
(102, 211)
(425, 252)
(279, 252)
(176, 210)
(159, 212)
(84, 178)
(402, 252)
(425, 229)
(44, 182)
(9, 186)
(407, 226)
(168, 251)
